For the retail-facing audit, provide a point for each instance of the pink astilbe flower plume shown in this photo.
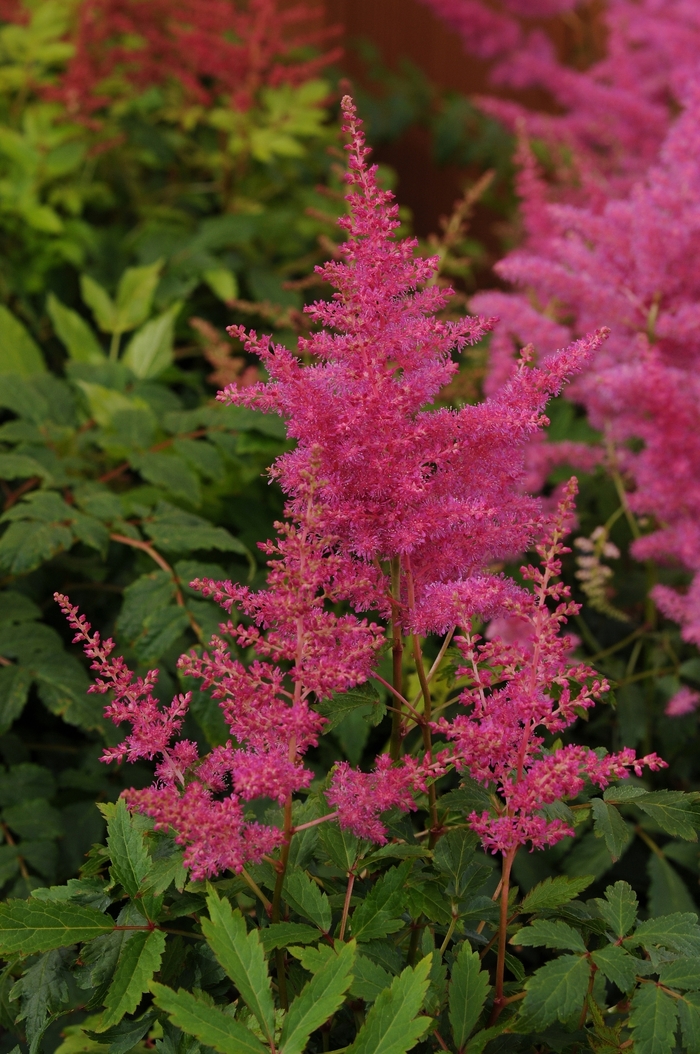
(391, 506)
(522, 687)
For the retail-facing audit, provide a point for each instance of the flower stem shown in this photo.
(498, 1002)
(277, 899)
(346, 905)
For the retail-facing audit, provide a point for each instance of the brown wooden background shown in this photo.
(407, 28)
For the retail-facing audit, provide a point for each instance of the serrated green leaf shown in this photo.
(622, 793)
(25, 546)
(689, 1014)
(554, 892)
(150, 350)
(242, 956)
(303, 895)
(618, 966)
(556, 991)
(182, 532)
(391, 1026)
(610, 825)
(164, 871)
(318, 1000)
(683, 973)
(679, 932)
(675, 812)
(667, 890)
(209, 1025)
(139, 960)
(282, 934)
(343, 703)
(340, 845)
(130, 860)
(72, 329)
(124, 1036)
(377, 915)
(469, 986)
(19, 352)
(619, 908)
(549, 934)
(369, 979)
(455, 856)
(653, 1020)
(42, 991)
(27, 927)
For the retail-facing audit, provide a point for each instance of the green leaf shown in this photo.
(177, 531)
(150, 350)
(469, 986)
(554, 892)
(619, 908)
(340, 845)
(369, 979)
(679, 932)
(34, 819)
(675, 812)
(20, 466)
(242, 957)
(27, 927)
(25, 546)
(15, 682)
(174, 475)
(130, 860)
(43, 992)
(282, 934)
(72, 329)
(139, 960)
(689, 1013)
(544, 933)
(683, 973)
(455, 856)
(340, 705)
(100, 303)
(377, 915)
(135, 293)
(667, 890)
(124, 1036)
(222, 282)
(391, 1026)
(618, 966)
(211, 1026)
(653, 1020)
(19, 352)
(303, 895)
(610, 825)
(318, 1000)
(556, 991)
(105, 403)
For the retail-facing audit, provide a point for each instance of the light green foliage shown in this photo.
(139, 960)
(27, 927)
(130, 861)
(554, 892)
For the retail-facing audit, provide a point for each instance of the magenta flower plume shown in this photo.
(536, 690)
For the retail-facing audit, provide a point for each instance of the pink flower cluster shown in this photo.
(522, 687)
(613, 113)
(631, 263)
(390, 507)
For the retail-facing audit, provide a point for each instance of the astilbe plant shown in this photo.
(398, 509)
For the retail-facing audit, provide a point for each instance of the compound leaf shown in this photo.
(28, 927)
(139, 960)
